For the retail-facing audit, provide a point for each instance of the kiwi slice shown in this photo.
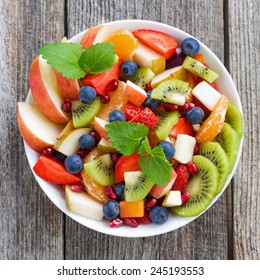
(199, 69)
(83, 114)
(235, 119)
(137, 186)
(143, 76)
(166, 123)
(172, 91)
(214, 152)
(201, 187)
(228, 140)
(101, 170)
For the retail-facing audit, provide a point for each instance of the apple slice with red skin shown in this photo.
(94, 35)
(99, 126)
(135, 94)
(69, 88)
(53, 171)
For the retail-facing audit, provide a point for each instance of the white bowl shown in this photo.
(224, 84)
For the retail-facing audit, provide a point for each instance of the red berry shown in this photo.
(77, 187)
(192, 167)
(184, 197)
(116, 223)
(105, 99)
(184, 107)
(111, 86)
(196, 149)
(148, 87)
(95, 135)
(131, 222)
(110, 192)
(48, 151)
(67, 105)
(182, 178)
(170, 107)
(115, 157)
(82, 152)
(149, 204)
(191, 105)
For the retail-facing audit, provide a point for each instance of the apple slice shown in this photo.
(45, 91)
(173, 198)
(94, 35)
(68, 143)
(184, 147)
(106, 146)
(37, 131)
(82, 204)
(134, 93)
(146, 57)
(99, 126)
(69, 126)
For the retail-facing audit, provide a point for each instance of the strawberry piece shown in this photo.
(53, 171)
(182, 178)
(131, 110)
(124, 164)
(147, 117)
(158, 41)
(100, 81)
(182, 127)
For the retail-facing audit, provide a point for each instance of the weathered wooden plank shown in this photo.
(31, 227)
(244, 51)
(206, 238)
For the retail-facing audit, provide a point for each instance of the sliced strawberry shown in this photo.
(124, 164)
(158, 41)
(53, 171)
(147, 117)
(182, 127)
(100, 81)
(131, 110)
(182, 178)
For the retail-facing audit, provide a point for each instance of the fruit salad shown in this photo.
(130, 125)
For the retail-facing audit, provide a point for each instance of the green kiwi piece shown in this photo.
(214, 152)
(137, 186)
(199, 69)
(83, 114)
(228, 140)
(166, 123)
(201, 187)
(143, 76)
(101, 170)
(235, 119)
(172, 91)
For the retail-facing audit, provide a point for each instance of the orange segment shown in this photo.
(133, 209)
(124, 42)
(214, 123)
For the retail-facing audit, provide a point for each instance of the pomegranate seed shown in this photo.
(170, 107)
(48, 151)
(105, 99)
(131, 222)
(77, 187)
(149, 204)
(192, 167)
(184, 197)
(148, 87)
(110, 192)
(67, 105)
(82, 152)
(116, 223)
(115, 157)
(191, 105)
(95, 135)
(160, 201)
(196, 149)
(184, 107)
(112, 85)
(145, 219)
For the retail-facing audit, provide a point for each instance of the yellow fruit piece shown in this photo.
(214, 123)
(124, 42)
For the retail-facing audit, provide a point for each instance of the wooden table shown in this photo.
(31, 226)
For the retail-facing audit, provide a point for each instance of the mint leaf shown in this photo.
(98, 58)
(126, 136)
(64, 58)
(144, 148)
(155, 166)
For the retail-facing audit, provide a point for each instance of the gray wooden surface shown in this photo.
(31, 227)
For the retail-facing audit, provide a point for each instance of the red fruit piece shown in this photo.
(147, 117)
(131, 110)
(100, 81)
(131, 222)
(182, 178)
(110, 192)
(124, 164)
(145, 219)
(192, 167)
(53, 171)
(116, 223)
(182, 127)
(197, 103)
(158, 41)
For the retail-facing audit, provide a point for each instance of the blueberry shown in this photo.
(129, 68)
(168, 149)
(195, 115)
(151, 103)
(159, 215)
(116, 115)
(86, 141)
(120, 190)
(73, 163)
(190, 46)
(111, 209)
(87, 94)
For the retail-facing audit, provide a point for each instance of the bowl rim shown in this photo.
(143, 230)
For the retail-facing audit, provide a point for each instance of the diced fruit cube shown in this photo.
(184, 147)
(131, 110)
(134, 94)
(134, 209)
(182, 127)
(147, 117)
(173, 198)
